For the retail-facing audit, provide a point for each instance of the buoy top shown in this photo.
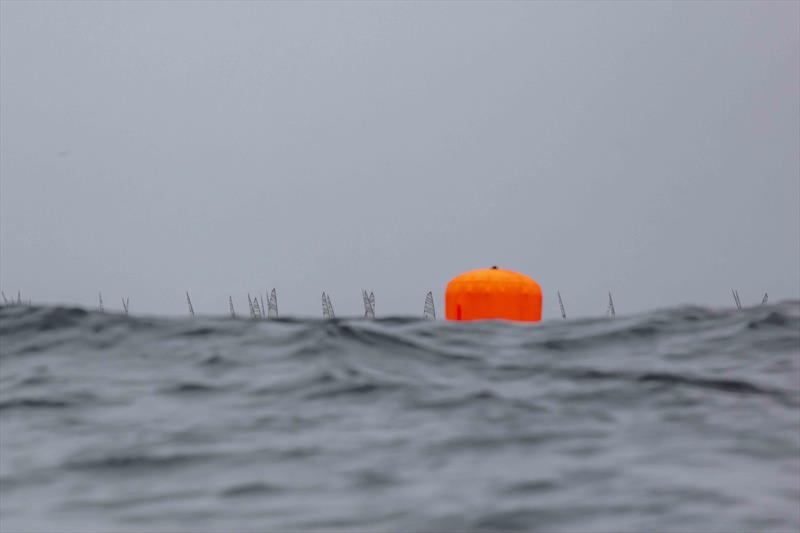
(493, 293)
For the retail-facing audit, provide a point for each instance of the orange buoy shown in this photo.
(493, 293)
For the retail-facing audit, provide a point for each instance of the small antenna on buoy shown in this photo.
(429, 313)
(610, 311)
(561, 305)
(765, 299)
(230, 306)
(273, 305)
(369, 304)
(250, 303)
(189, 301)
(327, 307)
(256, 308)
(100, 297)
(736, 299)
(125, 305)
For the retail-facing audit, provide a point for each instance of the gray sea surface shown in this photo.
(684, 419)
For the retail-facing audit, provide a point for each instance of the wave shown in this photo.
(136, 461)
(356, 358)
(120, 422)
(34, 403)
(392, 331)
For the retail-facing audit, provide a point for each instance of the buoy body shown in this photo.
(493, 293)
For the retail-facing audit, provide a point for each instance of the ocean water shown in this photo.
(685, 419)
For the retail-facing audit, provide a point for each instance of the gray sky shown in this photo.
(151, 148)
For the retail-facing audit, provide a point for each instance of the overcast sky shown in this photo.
(151, 148)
